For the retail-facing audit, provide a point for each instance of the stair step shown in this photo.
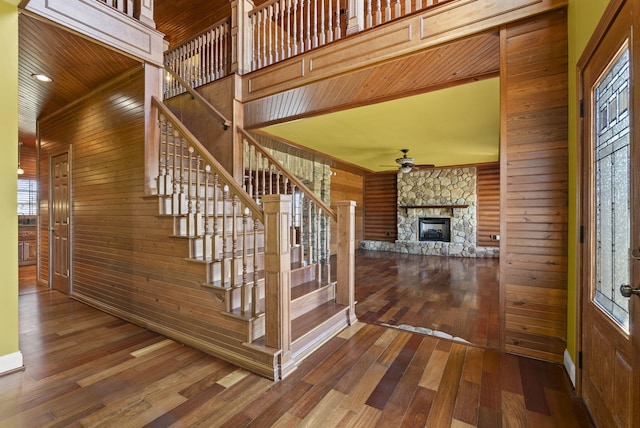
(315, 327)
(300, 290)
(305, 323)
(305, 297)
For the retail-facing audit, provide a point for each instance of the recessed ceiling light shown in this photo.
(42, 77)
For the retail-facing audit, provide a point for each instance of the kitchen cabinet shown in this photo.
(27, 248)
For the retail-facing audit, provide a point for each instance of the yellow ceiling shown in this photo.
(453, 126)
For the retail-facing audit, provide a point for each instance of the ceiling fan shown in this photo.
(406, 163)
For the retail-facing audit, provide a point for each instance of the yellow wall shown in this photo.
(8, 178)
(583, 18)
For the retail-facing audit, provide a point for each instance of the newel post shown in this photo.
(346, 257)
(355, 23)
(143, 11)
(153, 79)
(241, 36)
(277, 268)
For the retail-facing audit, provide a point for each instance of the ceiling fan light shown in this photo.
(404, 160)
(405, 169)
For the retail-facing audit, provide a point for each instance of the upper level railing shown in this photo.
(141, 10)
(275, 31)
(124, 6)
(282, 29)
(204, 58)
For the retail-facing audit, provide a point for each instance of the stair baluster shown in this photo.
(207, 251)
(191, 201)
(243, 296)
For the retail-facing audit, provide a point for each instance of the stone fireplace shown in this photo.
(432, 204)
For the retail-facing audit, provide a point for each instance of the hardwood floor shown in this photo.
(86, 368)
(455, 296)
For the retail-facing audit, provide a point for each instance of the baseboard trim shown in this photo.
(11, 362)
(570, 367)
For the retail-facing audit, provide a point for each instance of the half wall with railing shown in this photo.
(275, 31)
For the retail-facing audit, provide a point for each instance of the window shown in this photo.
(27, 197)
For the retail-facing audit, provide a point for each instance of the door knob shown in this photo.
(627, 290)
(635, 253)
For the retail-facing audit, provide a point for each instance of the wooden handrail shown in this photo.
(226, 123)
(226, 178)
(292, 178)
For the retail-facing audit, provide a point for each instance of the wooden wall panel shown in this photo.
(124, 258)
(346, 186)
(488, 210)
(28, 161)
(533, 253)
(380, 207)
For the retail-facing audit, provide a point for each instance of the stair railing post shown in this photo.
(345, 263)
(355, 23)
(153, 78)
(143, 12)
(241, 36)
(277, 267)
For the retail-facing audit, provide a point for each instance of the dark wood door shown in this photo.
(59, 203)
(609, 186)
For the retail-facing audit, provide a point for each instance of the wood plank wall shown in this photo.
(28, 161)
(488, 209)
(124, 260)
(534, 186)
(380, 207)
(346, 186)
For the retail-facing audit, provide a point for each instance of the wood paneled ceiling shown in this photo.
(75, 64)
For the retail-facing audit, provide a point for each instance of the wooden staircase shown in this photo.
(272, 277)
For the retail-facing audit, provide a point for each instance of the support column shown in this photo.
(241, 36)
(277, 267)
(346, 264)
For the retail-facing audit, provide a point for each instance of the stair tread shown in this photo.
(305, 288)
(306, 322)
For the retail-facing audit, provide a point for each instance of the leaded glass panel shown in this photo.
(612, 198)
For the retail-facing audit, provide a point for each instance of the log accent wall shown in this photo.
(124, 258)
(488, 220)
(380, 207)
(346, 186)
(533, 253)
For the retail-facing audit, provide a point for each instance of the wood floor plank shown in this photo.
(392, 380)
(467, 403)
(514, 412)
(443, 404)
(434, 370)
(364, 417)
(419, 408)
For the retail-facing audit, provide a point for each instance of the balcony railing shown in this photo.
(278, 30)
(203, 59)
(141, 10)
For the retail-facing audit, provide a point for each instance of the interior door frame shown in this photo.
(51, 155)
(607, 19)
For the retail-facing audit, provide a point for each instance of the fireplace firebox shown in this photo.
(434, 229)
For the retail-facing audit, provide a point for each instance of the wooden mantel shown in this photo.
(452, 207)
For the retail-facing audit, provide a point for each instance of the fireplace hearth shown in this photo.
(434, 229)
